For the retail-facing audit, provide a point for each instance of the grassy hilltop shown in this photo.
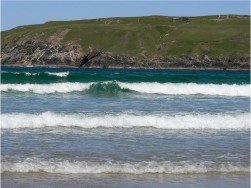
(148, 36)
(153, 34)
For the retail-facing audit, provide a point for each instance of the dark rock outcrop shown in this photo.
(89, 56)
(194, 62)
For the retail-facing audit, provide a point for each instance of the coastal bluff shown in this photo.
(207, 42)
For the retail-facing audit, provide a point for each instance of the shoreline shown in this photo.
(123, 180)
(126, 68)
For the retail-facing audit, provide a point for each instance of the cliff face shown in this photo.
(53, 53)
(147, 42)
(192, 62)
(27, 51)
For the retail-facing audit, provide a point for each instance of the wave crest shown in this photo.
(46, 88)
(57, 74)
(106, 88)
(201, 121)
(189, 88)
(150, 88)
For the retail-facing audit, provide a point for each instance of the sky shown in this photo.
(16, 13)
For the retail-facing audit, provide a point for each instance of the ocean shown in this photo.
(71, 127)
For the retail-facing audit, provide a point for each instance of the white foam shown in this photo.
(59, 74)
(30, 74)
(26, 73)
(46, 88)
(83, 167)
(200, 121)
(151, 88)
(189, 88)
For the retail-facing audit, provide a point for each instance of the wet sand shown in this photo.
(44, 180)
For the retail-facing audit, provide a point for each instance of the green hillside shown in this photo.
(151, 35)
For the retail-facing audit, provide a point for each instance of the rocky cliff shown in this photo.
(53, 53)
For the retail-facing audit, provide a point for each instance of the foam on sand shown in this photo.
(144, 167)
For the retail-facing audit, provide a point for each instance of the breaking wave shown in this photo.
(189, 88)
(46, 88)
(150, 88)
(57, 74)
(144, 167)
(200, 121)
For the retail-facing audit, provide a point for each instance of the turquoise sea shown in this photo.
(70, 127)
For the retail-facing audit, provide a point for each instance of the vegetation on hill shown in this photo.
(150, 35)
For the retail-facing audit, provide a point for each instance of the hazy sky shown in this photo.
(16, 13)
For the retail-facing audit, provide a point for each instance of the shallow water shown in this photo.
(125, 180)
(127, 128)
